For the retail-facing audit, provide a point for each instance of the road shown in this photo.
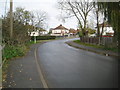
(67, 67)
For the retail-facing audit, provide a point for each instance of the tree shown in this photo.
(96, 11)
(90, 31)
(79, 9)
(21, 21)
(24, 21)
(112, 14)
(39, 19)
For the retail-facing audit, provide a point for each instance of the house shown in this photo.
(59, 31)
(43, 32)
(38, 32)
(73, 32)
(107, 30)
(34, 33)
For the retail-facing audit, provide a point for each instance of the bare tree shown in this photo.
(79, 9)
(99, 16)
(40, 18)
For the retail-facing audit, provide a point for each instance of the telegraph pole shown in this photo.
(11, 19)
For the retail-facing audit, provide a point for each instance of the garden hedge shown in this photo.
(43, 37)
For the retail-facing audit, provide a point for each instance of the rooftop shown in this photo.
(60, 27)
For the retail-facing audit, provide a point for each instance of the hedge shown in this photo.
(43, 37)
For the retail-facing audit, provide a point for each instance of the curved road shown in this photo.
(67, 67)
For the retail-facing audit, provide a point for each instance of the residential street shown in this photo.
(47, 44)
(67, 67)
(62, 67)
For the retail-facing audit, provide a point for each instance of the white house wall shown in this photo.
(106, 30)
(37, 33)
(43, 32)
(58, 32)
(34, 33)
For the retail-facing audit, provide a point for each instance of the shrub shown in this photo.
(13, 51)
(43, 37)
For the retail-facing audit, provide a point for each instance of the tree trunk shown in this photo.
(98, 29)
(102, 32)
(115, 37)
(85, 34)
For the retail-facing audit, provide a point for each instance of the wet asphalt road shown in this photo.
(68, 67)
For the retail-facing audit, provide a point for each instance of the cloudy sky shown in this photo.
(49, 6)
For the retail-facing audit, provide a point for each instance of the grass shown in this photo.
(86, 44)
(10, 52)
(96, 46)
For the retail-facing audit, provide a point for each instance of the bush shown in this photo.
(43, 37)
(13, 51)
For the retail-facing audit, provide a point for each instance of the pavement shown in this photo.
(23, 72)
(93, 49)
(55, 64)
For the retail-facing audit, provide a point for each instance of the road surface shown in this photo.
(67, 67)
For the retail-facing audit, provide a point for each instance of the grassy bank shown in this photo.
(96, 46)
(10, 52)
(13, 51)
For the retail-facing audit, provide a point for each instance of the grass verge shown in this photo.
(97, 46)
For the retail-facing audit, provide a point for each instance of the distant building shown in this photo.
(59, 31)
(43, 32)
(107, 30)
(73, 31)
(34, 33)
(38, 32)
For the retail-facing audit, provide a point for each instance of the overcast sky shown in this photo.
(49, 6)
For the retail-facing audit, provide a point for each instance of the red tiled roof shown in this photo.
(73, 31)
(60, 27)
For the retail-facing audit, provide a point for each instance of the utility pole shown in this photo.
(11, 19)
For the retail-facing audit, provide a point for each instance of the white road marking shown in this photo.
(40, 71)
